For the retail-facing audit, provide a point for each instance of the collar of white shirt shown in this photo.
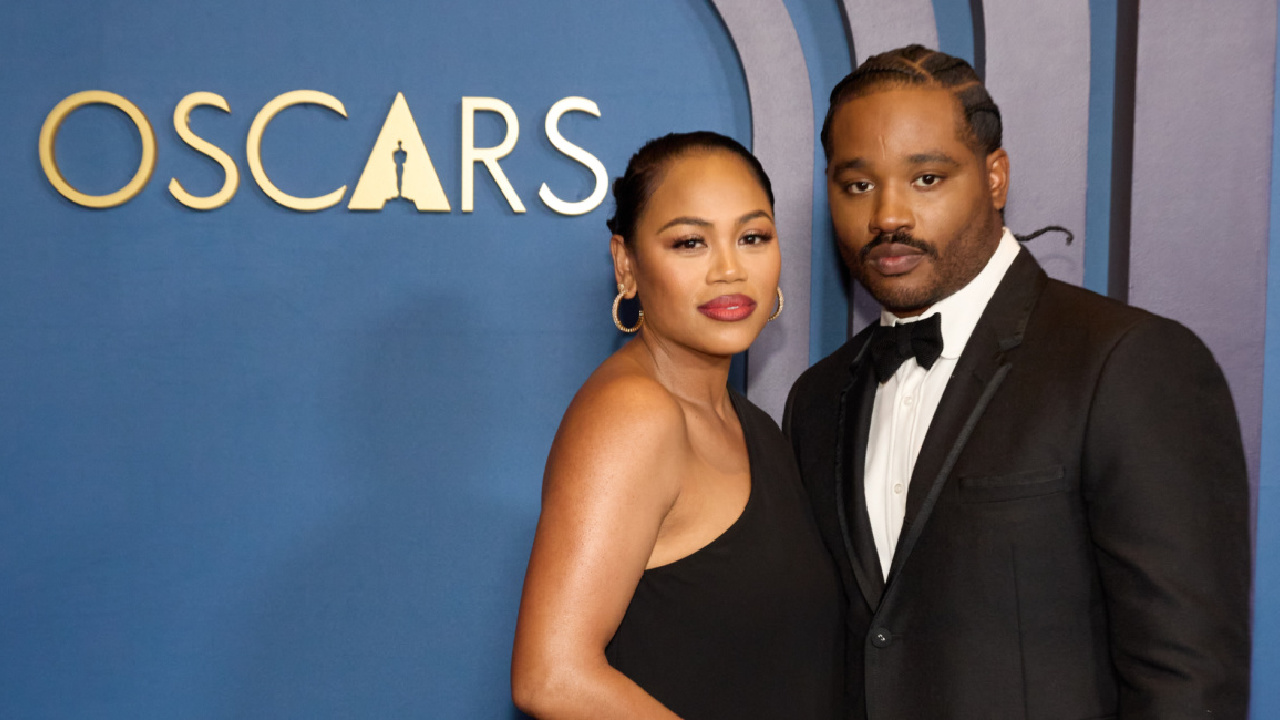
(961, 311)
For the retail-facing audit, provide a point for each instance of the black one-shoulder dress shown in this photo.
(750, 626)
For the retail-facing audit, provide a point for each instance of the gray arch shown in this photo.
(1038, 73)
(782, 137)
(1201, 180)
(874, 26)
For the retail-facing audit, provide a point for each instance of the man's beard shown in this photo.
(957, 267)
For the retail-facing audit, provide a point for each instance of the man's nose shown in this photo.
(892, 212)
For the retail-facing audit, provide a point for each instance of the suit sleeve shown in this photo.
(1168, 504)
(786, 415)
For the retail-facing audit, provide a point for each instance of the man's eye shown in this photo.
(857, 187)
(928, 180)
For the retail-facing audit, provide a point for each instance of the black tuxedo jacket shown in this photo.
(1076, 535)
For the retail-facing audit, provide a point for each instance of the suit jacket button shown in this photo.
(881, 637)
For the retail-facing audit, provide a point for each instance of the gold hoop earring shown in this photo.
(617, 322)
(777, 312)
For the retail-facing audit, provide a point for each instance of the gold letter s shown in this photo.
(182, 123)
(593, 164)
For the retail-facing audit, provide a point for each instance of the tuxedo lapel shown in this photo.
(977, 375)
(854, 427)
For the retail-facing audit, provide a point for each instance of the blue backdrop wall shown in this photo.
(266, 463)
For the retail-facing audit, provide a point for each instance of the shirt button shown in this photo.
(881, 637)
(908, 400)
(897, 488)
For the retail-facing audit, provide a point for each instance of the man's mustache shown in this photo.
(898, 237)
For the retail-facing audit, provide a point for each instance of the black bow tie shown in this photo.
(892, 345)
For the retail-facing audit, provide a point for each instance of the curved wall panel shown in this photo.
(877, 26)
(1037, 56)
(1201, 170)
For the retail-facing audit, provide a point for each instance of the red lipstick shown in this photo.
(728, 308)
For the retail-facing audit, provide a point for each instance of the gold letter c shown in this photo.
(253, 148)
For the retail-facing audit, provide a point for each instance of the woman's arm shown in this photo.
(612, 476)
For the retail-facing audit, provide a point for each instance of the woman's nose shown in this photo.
(726, 266)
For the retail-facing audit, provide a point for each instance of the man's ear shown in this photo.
(623, 272)
(998, 177)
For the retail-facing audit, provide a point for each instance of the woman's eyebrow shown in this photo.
(686, 220)
(701, 222)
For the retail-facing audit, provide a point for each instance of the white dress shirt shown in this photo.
(905, 403)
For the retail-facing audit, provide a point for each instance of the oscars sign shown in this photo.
(398, 166)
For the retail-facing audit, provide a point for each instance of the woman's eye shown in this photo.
(928, 180)
(687, 243)
(857, 187)
(755, 238)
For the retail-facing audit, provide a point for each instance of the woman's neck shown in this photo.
(695, 378)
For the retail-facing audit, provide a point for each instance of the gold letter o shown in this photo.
(49, 136)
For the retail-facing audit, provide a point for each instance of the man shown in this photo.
(1037, 496)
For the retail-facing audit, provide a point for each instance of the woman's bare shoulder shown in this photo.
(622, 424)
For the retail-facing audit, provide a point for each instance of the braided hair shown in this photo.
(916, 65)
(645, 170)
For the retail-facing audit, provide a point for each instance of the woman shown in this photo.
(676, 572)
